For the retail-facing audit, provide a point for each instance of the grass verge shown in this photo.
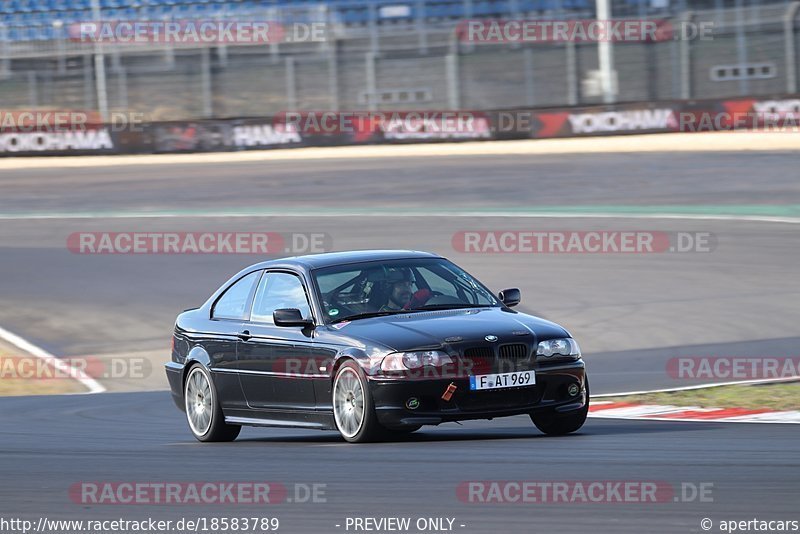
(22, 376)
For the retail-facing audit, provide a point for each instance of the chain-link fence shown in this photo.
(418, 65)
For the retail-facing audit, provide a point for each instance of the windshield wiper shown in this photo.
(367, 315)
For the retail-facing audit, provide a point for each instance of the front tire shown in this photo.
(553, 423)
(203, 410)
(353, 409)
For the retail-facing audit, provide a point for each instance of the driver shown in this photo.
(400, 283)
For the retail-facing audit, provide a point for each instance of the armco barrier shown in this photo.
(334, 128)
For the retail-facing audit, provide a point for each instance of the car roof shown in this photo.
(328, 259)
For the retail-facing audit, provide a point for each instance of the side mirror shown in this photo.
(290, 317)
(510, 297)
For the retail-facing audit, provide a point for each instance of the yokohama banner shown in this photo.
(771, 114)
(37, 133)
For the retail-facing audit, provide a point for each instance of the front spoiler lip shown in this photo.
(402, 416)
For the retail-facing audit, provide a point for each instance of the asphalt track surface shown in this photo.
(632, 313)
(51, 444)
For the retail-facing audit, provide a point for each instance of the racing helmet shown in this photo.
(399, 274)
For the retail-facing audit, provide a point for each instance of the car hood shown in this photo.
(437, 328)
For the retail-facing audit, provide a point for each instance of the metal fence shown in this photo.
(417, 66)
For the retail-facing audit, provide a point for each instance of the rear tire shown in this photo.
(203, 410)
(553, 423)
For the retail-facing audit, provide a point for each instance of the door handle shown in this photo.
(244, 335)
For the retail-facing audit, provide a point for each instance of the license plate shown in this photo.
(502, 380)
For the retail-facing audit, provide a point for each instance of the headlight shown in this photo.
(559, 347)
(400, 361)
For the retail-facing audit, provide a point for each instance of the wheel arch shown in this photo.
(350, 354)
(197, 355)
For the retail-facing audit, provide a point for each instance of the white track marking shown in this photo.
(776, 418)
(699, 386)
(90, 383)
(769, 417)
(639, 411)
(385, 214)
(649, 412)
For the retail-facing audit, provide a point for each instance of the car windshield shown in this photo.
(377, 288)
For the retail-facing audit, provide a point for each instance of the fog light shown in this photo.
(573, 390)
(412, 403)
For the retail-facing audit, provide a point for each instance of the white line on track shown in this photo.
(355, 213)
(688, 420)
(700, 386)
(90, 383)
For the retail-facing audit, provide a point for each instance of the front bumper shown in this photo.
(391, 396)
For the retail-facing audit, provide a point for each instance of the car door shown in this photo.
(220, 341)
(275, 369)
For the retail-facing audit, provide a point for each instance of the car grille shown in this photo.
(505, 359)
(516, 351)
(479, 360)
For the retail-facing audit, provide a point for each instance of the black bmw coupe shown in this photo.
(372, 344)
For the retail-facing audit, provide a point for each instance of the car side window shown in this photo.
(233, 303)
(276, 291)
